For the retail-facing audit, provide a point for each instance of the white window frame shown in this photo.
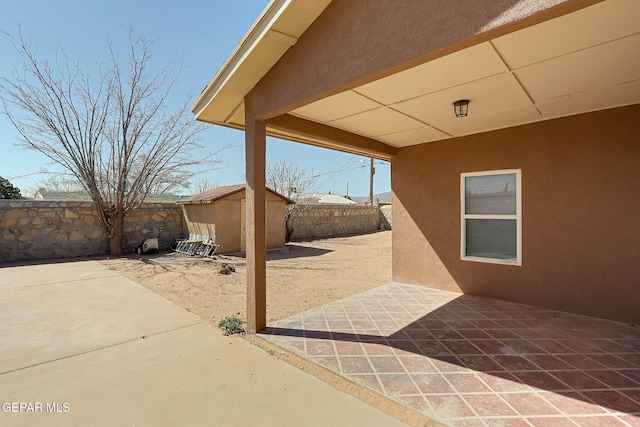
(518, 217)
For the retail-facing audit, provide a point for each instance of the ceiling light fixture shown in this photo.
(461, 108)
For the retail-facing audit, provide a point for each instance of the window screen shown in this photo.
(491, 216)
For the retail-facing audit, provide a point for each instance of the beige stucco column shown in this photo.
(255, 142)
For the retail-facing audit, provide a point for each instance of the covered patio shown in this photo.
(471, 361)
(553, 95)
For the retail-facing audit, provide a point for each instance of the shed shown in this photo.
(220, 214)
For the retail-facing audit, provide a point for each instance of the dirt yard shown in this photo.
(305, 275)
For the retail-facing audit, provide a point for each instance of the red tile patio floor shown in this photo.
(470, 361)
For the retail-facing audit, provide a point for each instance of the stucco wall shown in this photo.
(33, 230)
(200, 219)
(313, 222)
(580, 214)
(276, 237)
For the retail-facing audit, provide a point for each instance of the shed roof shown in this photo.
(218, 193)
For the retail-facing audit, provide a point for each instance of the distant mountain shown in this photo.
(382, 197)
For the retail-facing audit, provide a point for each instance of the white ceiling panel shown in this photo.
(470, 64)
(587, 27)
(597, 99)
(494, 93)
(413, 137)
(498, 119)
(377, 122)
(336, 107)
(602, 65)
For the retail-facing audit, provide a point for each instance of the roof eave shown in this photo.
(259, 50)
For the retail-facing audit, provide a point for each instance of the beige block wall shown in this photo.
(580, 204)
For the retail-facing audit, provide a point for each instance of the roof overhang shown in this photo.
(274, 32)
(582, 61)
(271, 35)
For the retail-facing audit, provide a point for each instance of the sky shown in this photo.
(200, 35)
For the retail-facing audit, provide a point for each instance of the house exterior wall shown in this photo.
(222, 220)
(580, 221)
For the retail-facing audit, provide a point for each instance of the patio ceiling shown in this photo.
(585, 61)
(588, 60)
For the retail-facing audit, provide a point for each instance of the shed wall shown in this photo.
(200, 219)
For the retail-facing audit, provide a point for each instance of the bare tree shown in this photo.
(57, 182)
(289, 179)
(112, 130)
(293, 181)
(202, 184)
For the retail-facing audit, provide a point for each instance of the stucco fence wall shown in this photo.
(321, 221)
(34, 230)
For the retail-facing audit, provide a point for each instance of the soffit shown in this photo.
(274, 32)
(584, 61)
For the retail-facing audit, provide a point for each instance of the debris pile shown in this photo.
(227, 269)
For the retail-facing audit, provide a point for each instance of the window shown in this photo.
(491, 205)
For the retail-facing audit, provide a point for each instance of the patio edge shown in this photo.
(370, 397)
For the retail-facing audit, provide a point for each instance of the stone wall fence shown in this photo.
(322, 221)
(37, 229)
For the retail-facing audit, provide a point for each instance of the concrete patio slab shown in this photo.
(55, 311)
(85, 346)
